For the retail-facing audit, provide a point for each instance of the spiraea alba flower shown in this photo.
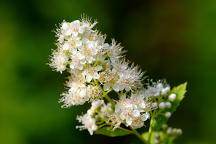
(133, 111)
(97, 68)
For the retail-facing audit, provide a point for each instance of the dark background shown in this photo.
(172, 39)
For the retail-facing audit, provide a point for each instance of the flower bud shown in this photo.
(165, 90)
(169, 131)
(179, 131)
(157, 135)
(168, 114)
(162, 105)
(156, 141)
(168, 105)
(172, 97)
(154, 105)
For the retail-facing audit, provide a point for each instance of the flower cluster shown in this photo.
(96, 69)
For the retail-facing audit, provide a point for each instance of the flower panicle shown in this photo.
(97, 68)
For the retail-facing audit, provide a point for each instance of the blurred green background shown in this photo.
(173, 39)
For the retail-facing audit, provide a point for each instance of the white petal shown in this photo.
(136, 113)
(106, 87)
(88, 78)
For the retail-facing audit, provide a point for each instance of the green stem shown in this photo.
(129, 131)
(105, 93)
(151, 126)
(150, 131)
(109, 99)
(138, 135)
(102, 125)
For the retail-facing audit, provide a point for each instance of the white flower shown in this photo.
(72, 43)
(92, 73)
(114, 51)
(59, 60)
(79, 92)
(74, 28)
(66, 29)
(165, 90)
(80, 42)
(89, 119)
(133, 111)
(94, 92)
(156, 89)
(77, 60)
(129, 77)
(95, 105)
(154, 105)
(139, 121)
(108, 79)
(88, 122)
(90, 50)
(75, 76)
(76, 95)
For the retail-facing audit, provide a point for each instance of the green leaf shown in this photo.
(108, 131)
(145, 136)
(180, 92)
(159, 119)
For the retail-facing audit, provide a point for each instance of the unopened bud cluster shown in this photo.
(97, 68)
(166, 135)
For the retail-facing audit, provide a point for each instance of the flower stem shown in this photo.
(135, 132)
(105, 93)
(151, 126)
(108, 99)
(124, 129)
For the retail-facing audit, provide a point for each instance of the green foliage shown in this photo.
(108, 131)
(180, 93)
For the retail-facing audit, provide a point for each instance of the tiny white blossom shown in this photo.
(165, 90)
(108, 79)
(89, 119)
(59, 60)
(114, 51)
(92, 73)
(156, 89)
(76, 95)
(129, 76)
(154, 104)
(74, 28)
(88, 122)
(94, 92)
(133, 110)
(96, 104)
